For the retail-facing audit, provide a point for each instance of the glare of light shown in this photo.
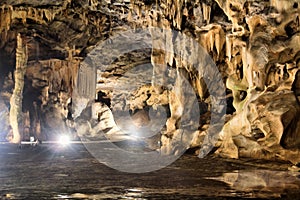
(133, 193)
(64, 140)
(62, 196)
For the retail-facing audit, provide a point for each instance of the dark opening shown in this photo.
(217, 12)
(102, 97)
(295, 5)
(230, 108)
(243, 95)
(5, 67)
(295, 85)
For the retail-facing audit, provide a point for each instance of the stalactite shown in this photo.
(228, 47)
(8, 13)
(206, 12)
(5, 20)
(211, 40)
(49, 15)
(197, 11)
(86, 81)
(219, 42)
(15, 114)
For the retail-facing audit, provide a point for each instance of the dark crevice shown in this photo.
(295, 5)
(296, 84)
(103, 98)
(6, 67)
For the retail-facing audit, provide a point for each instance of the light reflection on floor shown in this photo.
(72, 173)
(265, 183)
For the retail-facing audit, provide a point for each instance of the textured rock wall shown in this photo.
(57, 34)
(256, 47)
(266, 35)
(254, 44)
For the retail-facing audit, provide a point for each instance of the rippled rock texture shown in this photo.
(248, 105)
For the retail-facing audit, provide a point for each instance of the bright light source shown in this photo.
(64, 140)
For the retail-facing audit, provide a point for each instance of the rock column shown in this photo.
(15, 115)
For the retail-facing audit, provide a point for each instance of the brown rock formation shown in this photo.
(254, 44)
(15, 114)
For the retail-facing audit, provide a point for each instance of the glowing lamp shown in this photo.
(64, 140)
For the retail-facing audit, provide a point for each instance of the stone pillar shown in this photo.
(15, 115)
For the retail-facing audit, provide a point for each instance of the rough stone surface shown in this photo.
(254, 44)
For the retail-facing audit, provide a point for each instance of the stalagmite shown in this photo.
(15, 114)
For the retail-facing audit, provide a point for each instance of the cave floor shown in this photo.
(52, 172)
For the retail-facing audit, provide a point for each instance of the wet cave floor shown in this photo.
(50, 171)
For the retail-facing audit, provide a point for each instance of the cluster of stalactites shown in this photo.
(171, 13)
(8, 13)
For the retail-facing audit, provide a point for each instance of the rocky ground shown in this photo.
(70, 172)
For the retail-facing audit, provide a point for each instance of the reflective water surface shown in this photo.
(70, 172)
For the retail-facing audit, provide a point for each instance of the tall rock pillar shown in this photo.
(15, 115)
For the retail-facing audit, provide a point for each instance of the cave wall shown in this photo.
(254, 44)
(57, 35)
(256, 48)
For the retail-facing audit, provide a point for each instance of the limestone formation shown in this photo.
(72, 85)
(15, 113)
